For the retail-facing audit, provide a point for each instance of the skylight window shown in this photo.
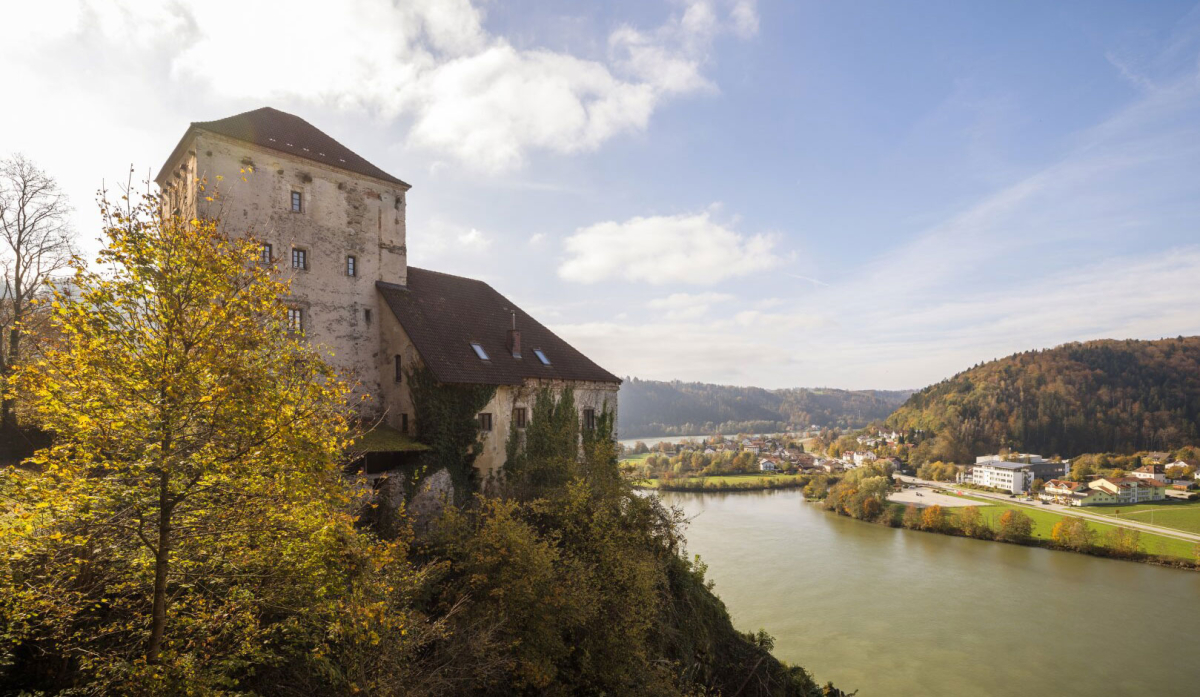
(479, 351)
(541, 356)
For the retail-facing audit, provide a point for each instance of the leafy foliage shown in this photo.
(1120, 396)
(189, 531)
(653, 408)
(189, 523)
(446, 420)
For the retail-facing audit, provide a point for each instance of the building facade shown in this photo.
(335, 224)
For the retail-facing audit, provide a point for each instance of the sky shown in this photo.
(778, 193)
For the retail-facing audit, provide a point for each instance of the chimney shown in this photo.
(514, 338)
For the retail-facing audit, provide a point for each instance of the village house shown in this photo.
(1156, 472)
(335, 224)
(1069, 493)
(1130, 490)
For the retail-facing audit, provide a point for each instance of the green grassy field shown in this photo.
(635, 458)
(731, 479)
(1181, 515)
(1044, 522)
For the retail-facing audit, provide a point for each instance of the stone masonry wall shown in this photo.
(343, 214)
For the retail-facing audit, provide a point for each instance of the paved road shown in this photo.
(1067, 510)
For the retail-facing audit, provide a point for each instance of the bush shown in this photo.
(1014, 526)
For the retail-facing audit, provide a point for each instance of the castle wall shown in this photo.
(342, 214)
(393, 340)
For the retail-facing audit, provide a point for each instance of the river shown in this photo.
(897, 612)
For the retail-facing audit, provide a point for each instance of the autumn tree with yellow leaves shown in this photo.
(190, 519)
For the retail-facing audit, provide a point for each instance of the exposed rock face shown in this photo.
(433, 494)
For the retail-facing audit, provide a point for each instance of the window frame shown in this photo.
(480, 352)
(520, 417)
(295, 320)
(589, 419)
(296, 204)
(351, 265)
(266, 254)
(398, 367)
(541, 356)
(484, 421)
(303, 252)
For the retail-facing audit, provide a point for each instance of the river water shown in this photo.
(897, 612)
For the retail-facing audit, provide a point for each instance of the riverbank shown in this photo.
(926, 608)
(737, 482)
(1143, 547)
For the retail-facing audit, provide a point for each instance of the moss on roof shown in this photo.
(385, 439)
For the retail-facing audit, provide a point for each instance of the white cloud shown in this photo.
(686, 305)
(537, 238)
(470, 95)
(745, 18)
(686, 248)
(441, 239)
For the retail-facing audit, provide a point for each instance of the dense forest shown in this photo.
(1114, 396)
(655, 408)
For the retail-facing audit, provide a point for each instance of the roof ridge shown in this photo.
(282, 132)
(451, 275)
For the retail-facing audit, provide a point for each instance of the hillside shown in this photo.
(653, 408)
(1114, 396)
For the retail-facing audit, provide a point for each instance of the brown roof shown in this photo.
(443, 314)
(277, 130)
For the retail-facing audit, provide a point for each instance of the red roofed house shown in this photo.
(1131, 489)
(335, 223)
(1155, 472)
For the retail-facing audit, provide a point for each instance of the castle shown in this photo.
(336, 224)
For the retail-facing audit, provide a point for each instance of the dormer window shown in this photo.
(541, 356)
(479, 351)
(297, 202)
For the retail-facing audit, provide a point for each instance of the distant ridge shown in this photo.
(652, 408)
(1099, 396)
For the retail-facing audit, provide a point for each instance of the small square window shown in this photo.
(589, 419)
(299, 258)
(351, 266)
(399, 366)
(485, 422)
(479, 351)
(297, 202)
(541, 356)
(295, 320)
(519, 415)
(266, 254)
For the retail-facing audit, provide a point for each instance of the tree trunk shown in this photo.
(162, 565)
(7, 419)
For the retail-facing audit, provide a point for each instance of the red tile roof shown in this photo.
(283, 132)
(443, 314)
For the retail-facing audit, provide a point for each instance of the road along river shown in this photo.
(898, 612)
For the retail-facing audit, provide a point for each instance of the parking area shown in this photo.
(928, 497)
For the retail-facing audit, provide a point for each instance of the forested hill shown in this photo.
(1115, 396)
(652, 408)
